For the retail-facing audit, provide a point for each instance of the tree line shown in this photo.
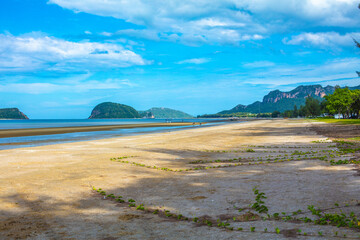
(343, 102)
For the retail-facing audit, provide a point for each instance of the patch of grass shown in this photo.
(339, 220)
(338, 121)
(249, 150)
(259, 203)
(355, 138)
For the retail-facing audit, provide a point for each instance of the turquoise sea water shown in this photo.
(30, 141)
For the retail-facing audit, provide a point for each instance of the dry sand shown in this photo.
(45, 191)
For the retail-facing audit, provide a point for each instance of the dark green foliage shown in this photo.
(339, 220)
(275, 114)
(258, 205)
(249, 150)
(113, 110)
(12, 113)
(164, 113)
(345, 102)
(313, 107)
(140, 207)
(295, 112)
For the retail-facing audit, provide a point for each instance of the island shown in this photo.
(113, 110)
(161, 112)
(12, 113)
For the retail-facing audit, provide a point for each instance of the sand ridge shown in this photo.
(5, 133)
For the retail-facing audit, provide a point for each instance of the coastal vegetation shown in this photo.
(259, 212)
(343, 102)
(303, 101)
(338, 121)
(256, 212)
(325, 153)
(282, 101)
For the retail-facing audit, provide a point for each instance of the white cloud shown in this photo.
(315, 12)
(194, 61)
(323, 39)
(219, 21)
(334, 71)
(259, 64)
(34, 52)
(76, 86)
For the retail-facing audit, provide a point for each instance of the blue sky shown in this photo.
(60, 58)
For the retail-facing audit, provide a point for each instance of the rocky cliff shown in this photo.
(281, 101)
(316, 91)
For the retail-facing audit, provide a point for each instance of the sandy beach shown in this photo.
(46, 192)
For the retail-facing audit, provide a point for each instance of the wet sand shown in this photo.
(5, 133)
(45, 192)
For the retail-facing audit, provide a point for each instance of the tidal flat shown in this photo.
(253, 180)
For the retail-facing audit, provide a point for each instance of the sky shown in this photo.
(60, 58)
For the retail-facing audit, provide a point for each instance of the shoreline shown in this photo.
(25, 132)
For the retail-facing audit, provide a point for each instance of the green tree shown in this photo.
(275, 114)
(303, 112)
(287, 114)
(295, 112)
(340, 102)
(313, 107)
(355, 105)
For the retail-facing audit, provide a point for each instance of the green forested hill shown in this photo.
(164, 113)
(12, 113)
(261, 107)
(282, 101)
(113, 110)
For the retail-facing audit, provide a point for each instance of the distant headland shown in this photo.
(281, 101)
(117, 110)
(12, 113)
(113, 110)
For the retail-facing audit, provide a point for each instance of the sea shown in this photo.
(31, 141)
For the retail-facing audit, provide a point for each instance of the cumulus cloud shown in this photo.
(194, 61)
(35, 52)
(314, 12)
(219, 21)
(323, 39)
